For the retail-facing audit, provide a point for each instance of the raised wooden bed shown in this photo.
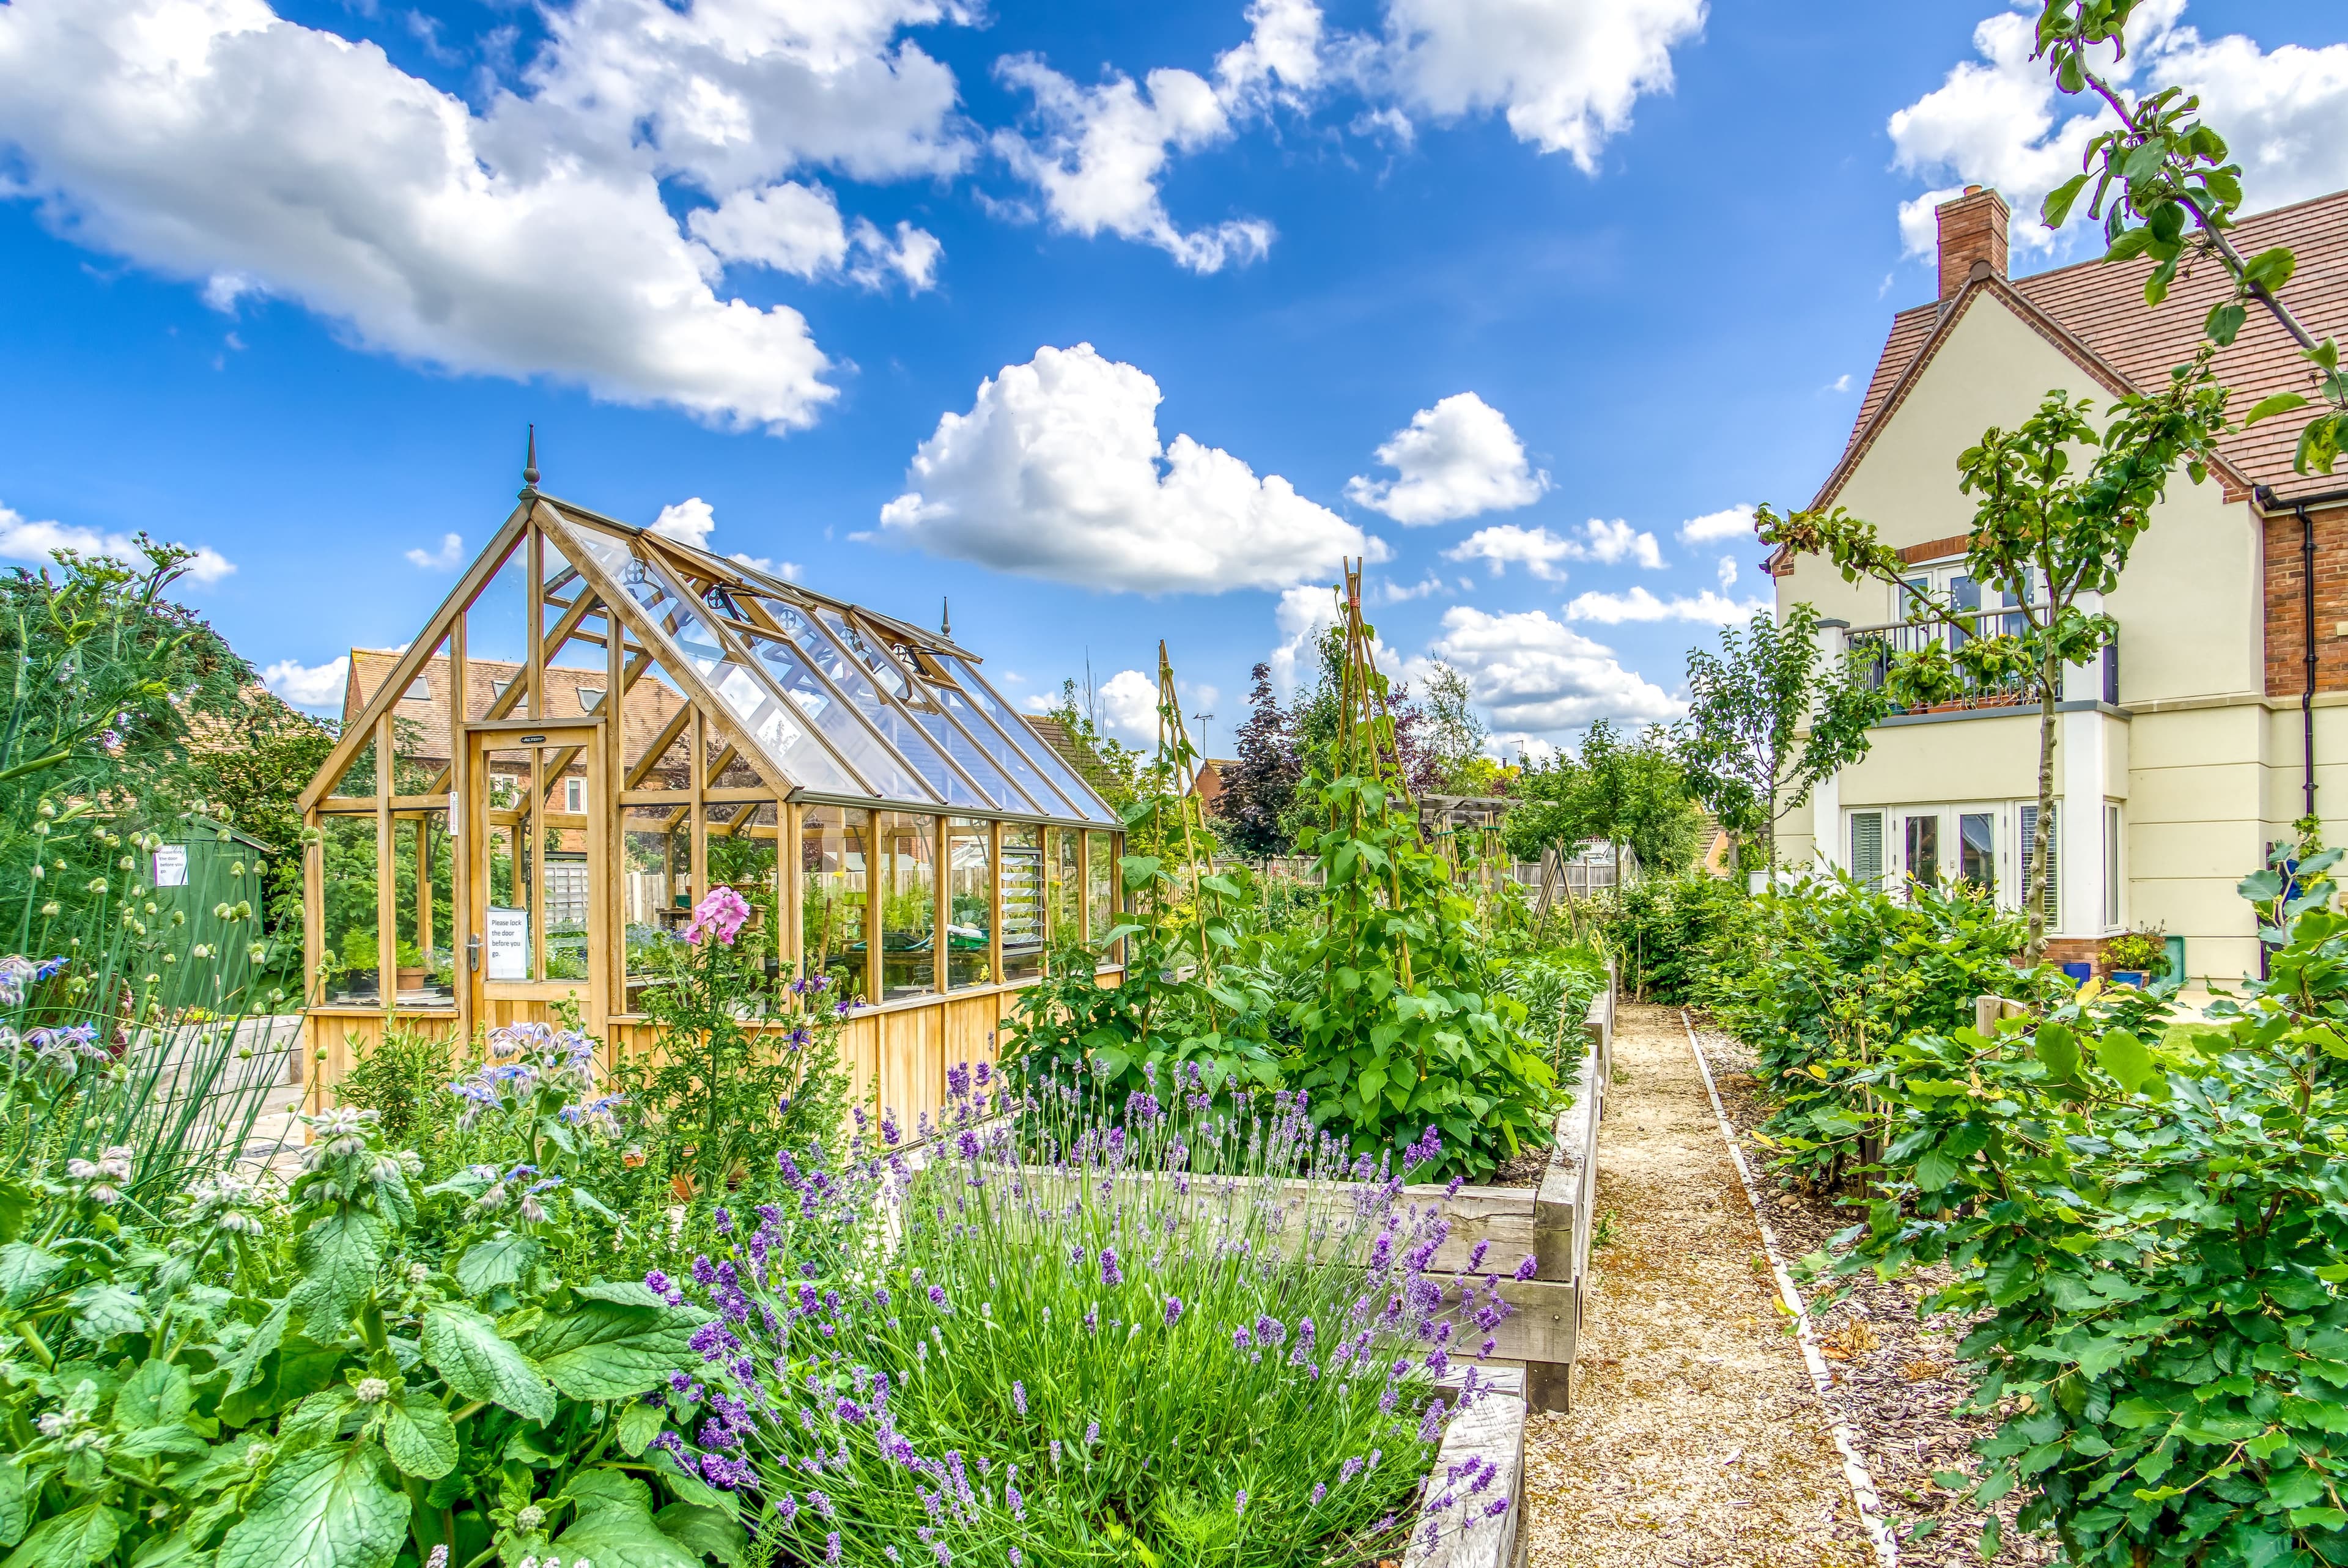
(1489, 1430)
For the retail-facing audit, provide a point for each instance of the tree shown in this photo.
(1260, 786)
(1452, 736)
(2044, 537)
(1766, 721)
(256, 785)
(2162, 168)
(1633, 793)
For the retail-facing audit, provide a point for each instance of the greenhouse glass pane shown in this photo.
(890, 779)
(857, 679)
(1029, 744)
(771, 722)
(913, 697)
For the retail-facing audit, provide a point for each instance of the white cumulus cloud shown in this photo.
(1128, 703)
(447, 558)
(1708, 608)
(690, 521)
(797, 229)
(1454, 460)
(1303, 614)
(1998, 120)
(317, 687)
(1564, 73)
(1058, 471)
(1096, 155)
(1608, 542)
(1729, 523)
(216, 142)
(1504, 544)
(21, 538)
(1537, 676)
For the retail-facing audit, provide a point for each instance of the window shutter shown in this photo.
(2054, 901)
(1867, 846)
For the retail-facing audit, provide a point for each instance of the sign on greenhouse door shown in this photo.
(507, 938)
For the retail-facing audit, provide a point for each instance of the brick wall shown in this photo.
(2286, 590)
(2076, 950)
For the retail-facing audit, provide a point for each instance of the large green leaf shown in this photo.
(419, 1437)
(706, 1532)
(323, 1508)
(15, 1505)
(244, 1366)
(479, 1363)
(156, 1395)
(339, 1256)
(500, 1260)
(103, 1311)
(26, 1271)
(639, 1425)
(603, 1351)
(614, 1527)
(74, 1539)
(2126, 1058)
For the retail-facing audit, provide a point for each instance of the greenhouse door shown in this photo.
(535, 808)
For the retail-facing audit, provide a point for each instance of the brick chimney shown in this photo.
(1973, 238)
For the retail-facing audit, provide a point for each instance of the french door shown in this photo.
(533, 810)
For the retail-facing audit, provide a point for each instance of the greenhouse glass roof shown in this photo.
(841, 702)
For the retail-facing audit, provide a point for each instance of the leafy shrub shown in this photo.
(1120, 1340)
(260, 1386)
(1671, 934)
(1833, 971)
(2153, 1239)
(2143, 951)
(402, 1077)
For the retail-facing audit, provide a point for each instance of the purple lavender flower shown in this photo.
(1239, 1504)
(1348, 1471)
(1019, 1397)
(1109, 1272)
(1173, 1310)
(1320, 1490)
(1531, 1266)
(831, 1542)
(1091, 1433)
(1475, 1255)
(937, 1295)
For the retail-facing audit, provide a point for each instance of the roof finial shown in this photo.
(945, 617)
(529, 461)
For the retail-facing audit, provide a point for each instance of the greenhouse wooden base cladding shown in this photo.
(898, 1054)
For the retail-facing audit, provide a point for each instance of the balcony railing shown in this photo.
(1878, 645)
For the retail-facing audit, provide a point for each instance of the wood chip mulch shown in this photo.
(1897, 1381)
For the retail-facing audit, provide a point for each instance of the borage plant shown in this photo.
(1192, 1332)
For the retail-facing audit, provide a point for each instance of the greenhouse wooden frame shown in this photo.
(600, 724)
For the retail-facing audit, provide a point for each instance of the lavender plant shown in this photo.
(1198, 1329)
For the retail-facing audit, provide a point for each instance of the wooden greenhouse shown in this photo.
(601, 724)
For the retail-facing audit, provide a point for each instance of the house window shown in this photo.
(2111, 866)
(1867, 846)
(1924, 848)
(2028, 818)
(1977, 849)
(589, 699)
(498, 688)
(574, 796)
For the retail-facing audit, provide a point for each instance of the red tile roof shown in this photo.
(2101, 309)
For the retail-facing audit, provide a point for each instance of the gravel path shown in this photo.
(1695, 1438)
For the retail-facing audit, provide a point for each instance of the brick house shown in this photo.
(2221, 715)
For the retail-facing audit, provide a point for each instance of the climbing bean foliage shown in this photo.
(2151, 1240)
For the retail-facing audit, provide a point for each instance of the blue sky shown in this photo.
(1626, 265)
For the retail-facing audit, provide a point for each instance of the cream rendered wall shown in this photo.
(2205, 787)
(1993, 370)
(2196, 826)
